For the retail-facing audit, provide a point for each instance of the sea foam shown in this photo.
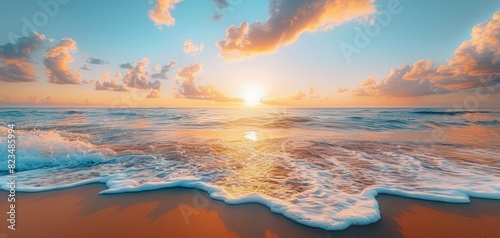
(320, 176)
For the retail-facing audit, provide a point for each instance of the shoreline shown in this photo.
(184, 212)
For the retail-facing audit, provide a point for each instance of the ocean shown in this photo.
(319, 167)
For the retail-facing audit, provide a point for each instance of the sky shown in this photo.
(242, 53)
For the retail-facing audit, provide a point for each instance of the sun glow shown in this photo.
(252, 95)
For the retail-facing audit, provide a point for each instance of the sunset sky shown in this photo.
(242, 53)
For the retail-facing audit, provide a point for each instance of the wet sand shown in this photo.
(81, 212)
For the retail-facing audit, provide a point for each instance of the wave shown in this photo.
(320, 178)
(361, 209)
(72, 112)
(316, 183)
(270, 121)
(42, 149)
(123, 113)
(488, 123)
(287, 122)
(446, 113)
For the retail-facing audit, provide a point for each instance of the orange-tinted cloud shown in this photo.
(160, 14)
(187, 87)
(6, 98)
(137, 77)
(15, 65)
(287, 21)
(56, 60)
(112, 85)
(33, 99)
(190, 48)
(312, 90)
(475, 63)
(299, 96)
(420, 69)
(342, 90)
(367, 88)
(481, 54)
(48, 99)
(396, 85)
(154, 93)
(105, 75)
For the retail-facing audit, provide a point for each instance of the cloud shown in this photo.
(137, 77)
(188, 89)
(303, 94)
(299, 96)
(56, 60)
(105, 75)
(154, 93)
(274, 101)
(221, 6)
(162, 74)
(6, 98)
(46, 100)
(342, 90)
(420, 69)
(396, 85)
(15, 65)
(288, 20)
(312, 90)
(481, 54)
(92, 60)
(32, 99)
(475, 63)
(160, 14)
(367, 88)
(86, 67)
(126, 66)
(189, 47)
(112, 85)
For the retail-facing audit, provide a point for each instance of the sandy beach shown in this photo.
(232, 118)
(81, 212)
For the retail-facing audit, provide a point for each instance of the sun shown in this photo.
(252, 95)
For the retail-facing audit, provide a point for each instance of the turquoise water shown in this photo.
(319, 167)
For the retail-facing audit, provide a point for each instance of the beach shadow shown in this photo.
(246, 220)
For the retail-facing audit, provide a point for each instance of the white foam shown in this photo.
(316, 181)
(335, 212)
(38, 149)
(28, 189)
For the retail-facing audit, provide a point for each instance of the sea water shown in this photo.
(319, 167)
